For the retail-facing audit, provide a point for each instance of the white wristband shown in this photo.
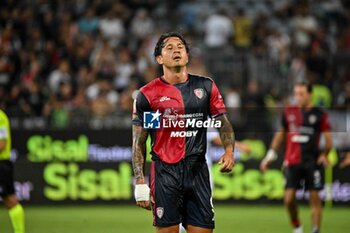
(270, 156)
(142, 192)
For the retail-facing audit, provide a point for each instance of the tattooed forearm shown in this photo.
(226, 133)
(139, 152)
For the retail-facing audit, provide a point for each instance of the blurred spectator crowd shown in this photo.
(80, 62)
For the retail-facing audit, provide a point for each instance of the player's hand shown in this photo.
(264, 165)
(323, 160)
(144, 204)
(271, 155)
(227, 162)
(143, 196)
(346, 161)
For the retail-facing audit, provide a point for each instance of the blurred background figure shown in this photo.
(142, 26)
(218, 30)
(242, 30)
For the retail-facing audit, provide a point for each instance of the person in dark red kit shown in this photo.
(302, 126)
(175, 110)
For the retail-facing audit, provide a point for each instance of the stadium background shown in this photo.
(69, 70)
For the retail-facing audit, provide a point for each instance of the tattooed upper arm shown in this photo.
(226, 132)
(139, 151)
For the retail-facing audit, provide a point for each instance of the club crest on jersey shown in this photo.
(160, 212)
(199, 92)
(312, 119)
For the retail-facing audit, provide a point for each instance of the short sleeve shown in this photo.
(140, 106)
(217, 106)
(325, 125)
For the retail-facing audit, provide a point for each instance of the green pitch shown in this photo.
(131, 219)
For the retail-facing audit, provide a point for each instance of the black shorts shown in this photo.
(6, 178)
(309, 176)
(181, 194)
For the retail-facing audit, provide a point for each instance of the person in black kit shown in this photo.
(176, 109)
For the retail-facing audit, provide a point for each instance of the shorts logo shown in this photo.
(151, 120)
(160, 212)
(317, 179)
(199, 92)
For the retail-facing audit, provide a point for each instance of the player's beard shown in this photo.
(177, 69)
(179, 65)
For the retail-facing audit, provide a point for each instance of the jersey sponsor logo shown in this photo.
(300, 138)
(301, 129)
(170, 113)
(183, 134)
(199, 92)
(164, 98)
(306, 130)
(151, 120)
(160, 212)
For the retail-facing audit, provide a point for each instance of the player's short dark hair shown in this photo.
(160, 43)
(305, 84)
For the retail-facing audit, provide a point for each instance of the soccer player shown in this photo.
(7, 190)
(179, 104)
(302, 126)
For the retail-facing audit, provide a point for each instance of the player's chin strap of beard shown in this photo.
(142, 192)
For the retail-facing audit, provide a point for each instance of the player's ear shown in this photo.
(188, 58)
(159, 59)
